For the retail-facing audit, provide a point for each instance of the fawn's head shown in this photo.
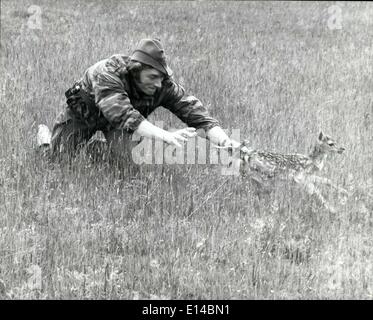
(326, 144)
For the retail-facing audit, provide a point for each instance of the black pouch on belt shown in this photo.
(81, 104)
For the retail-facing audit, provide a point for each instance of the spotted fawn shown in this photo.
(265, 166)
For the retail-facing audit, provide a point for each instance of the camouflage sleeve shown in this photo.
(114, 103)
(187, 108)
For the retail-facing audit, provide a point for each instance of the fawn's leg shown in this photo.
(328, 182)
(311, 189)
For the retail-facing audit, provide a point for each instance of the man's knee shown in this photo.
(121, 143)
(67, 137)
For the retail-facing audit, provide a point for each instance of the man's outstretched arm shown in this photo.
(149, 130)
(114, 103)
(217, 136)
(190, 110)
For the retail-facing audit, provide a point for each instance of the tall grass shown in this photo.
(273, 70)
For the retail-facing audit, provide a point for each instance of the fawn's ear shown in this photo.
(321, 135)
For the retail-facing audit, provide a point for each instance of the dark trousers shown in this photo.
(69, 135)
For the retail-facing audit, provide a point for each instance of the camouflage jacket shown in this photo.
(121, 106)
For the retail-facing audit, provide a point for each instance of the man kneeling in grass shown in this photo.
(116, 95)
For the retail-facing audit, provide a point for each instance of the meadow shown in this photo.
(278, 71)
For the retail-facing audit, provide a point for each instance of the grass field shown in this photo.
(278, 72)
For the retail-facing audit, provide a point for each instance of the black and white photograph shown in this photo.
(186, 151)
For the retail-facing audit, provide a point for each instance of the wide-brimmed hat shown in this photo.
(151, 52)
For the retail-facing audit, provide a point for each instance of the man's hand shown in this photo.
(149, 130)
(231, 143)
(220, 138)
(180, 136)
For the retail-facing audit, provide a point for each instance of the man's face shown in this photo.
(149, 81)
